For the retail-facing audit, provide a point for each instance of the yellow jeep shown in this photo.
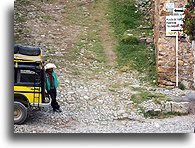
(29, 81)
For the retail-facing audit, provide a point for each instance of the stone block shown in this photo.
(171, 70)
(172, 54)
(181, 71)
(143, 40)
(162, 53)
(162, 75)
(171, 64)
(171, 87)
(160, 63)
(167, 107)
(190, 72)
(149, 40)
(164, 13)
(180, 63)
(181, 107)
(191, 59)
(160, 58)
(163, 70)
(187, 67)
(168, 83)
(160, 85)
(173, 79)
(192, 108)
(186, 60)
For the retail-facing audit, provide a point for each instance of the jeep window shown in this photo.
(26, 76)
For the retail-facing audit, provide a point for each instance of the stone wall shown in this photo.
(165, 50)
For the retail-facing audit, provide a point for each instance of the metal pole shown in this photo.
(194, 25)
(194, 48)
(177, 66)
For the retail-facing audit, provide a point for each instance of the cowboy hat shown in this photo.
(50, 65)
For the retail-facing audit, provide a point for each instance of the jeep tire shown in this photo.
(20, 112)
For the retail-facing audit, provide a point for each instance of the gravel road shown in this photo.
(94, 97)
(48, 122)
(91, 105)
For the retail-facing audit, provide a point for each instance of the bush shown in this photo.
(189, 19)
(182, 86)
(129, 38)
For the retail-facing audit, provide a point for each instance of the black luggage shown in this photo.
(27, 50)
(16, 49)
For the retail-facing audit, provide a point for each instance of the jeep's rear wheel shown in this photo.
(20, 113)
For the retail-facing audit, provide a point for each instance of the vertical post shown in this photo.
(177, 66)
(193, 44)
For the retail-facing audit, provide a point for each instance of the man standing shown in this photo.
(51, 85)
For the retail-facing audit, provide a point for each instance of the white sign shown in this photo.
(170, 5)
(178, 11)
(174, 25)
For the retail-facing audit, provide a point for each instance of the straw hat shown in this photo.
(50, 65)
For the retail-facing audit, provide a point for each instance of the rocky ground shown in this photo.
(94, 94)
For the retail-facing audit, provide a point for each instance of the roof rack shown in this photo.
(26, 58)
(27, 53)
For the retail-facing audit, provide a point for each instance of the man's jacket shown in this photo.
(48, 85)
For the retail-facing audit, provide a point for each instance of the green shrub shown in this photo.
(129, 38)
(182, 86)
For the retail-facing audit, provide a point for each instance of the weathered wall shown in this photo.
(165, 50)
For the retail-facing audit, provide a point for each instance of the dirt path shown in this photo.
(108, 46)
(100, 14)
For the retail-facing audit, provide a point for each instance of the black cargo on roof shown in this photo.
(27, 50)
(16, 49)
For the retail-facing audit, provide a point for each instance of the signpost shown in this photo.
(178, 11)
(174, 25)
(170, 7)
(174, 28)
